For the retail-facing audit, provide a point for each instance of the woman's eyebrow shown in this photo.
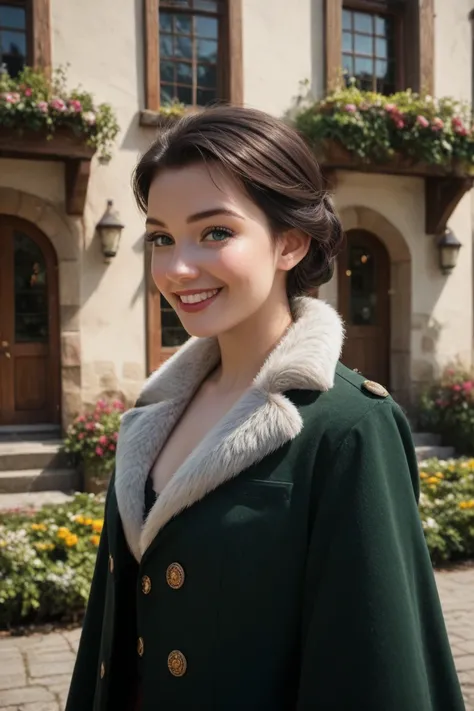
(198, 216)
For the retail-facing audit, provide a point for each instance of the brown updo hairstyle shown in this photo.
(276, 169)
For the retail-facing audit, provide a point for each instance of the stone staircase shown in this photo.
(33, 470)
(429, 445)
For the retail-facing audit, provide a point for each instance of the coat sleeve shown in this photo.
(373, 634)
(84, 678)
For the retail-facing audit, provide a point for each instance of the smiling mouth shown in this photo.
(198, 297)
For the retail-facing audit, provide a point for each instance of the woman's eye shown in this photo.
(218, 234)
(160, 240)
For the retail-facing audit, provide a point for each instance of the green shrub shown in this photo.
(47, 560)
(447, 408)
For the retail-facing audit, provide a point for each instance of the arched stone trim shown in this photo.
(364, 218)
(66, 244)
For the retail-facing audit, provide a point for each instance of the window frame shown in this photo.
(230, 59)
(416, 40)
(38, 32)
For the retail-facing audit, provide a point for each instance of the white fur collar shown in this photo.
(260, 422)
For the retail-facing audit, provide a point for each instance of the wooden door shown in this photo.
(29, 332)
(364, 303)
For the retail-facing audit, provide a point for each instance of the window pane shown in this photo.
(363, 44)
(167, 94)
(363, 296)
(183, 47)
(183, 24)
(347, 42)
(380, 68)
(31, 293)
(185, 73)
(207, 49)
(205, 97)
(166, 46)
(170, 319)
(207, 5)
(185, 95)
(206, 27)
(173, 337)
(347, 65)
(167, 71)
(12, 17)
(381, 48)
(346, 20)
(363, 66)
(176, 3)
(166, 22)
(363, 22)
(380, 26)
(13, 51)
(207, 75)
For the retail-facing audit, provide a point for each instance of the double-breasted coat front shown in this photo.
(284, 564)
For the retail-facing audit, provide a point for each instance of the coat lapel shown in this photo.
(260, 422)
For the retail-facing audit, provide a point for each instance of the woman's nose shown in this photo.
(181, 266)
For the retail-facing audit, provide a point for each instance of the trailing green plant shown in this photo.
(47, 559)
(447, 408)
(33, 101)
(92, 437)
(379, 129)
(173, 109)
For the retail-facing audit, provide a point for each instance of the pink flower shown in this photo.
(11, 97)
(399, 123)
(90, 426)
(81, 418)
(458, 126)
(58, 104)
(118, 405)
(101, 404)
(103, 439)
(81, 435)
(75, 105)
(115, 436)
(28, 92)
(390, 108)
(112, 447)
(42, 106)
(350, 108)
(422, 121)
(99, 451)
(456, 388)
(468, 385)
(437, 124)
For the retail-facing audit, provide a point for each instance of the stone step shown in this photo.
(18, 454)
(32, 500)
(428, 452)
(426, 439)
(29, 480)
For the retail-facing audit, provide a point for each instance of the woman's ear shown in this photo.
(293, 246)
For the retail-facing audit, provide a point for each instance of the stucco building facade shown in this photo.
(108, 328)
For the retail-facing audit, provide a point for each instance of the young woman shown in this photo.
(262, 549)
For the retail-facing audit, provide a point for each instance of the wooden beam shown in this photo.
(442, 196)
(333, 39)
(235, 57)
(426, 56)
(34, 145)
(152, 65)
(77, 173)
(42, 35)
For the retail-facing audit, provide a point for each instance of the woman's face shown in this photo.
(214, 257)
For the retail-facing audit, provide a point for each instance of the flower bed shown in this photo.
(32, 102)
(405, 129)
(47, 560)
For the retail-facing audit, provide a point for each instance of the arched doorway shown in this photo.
(364, 302)
(29, 326)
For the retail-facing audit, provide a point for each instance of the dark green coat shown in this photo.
(284, 565)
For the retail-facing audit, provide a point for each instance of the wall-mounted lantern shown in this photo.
(448, 250)
(110, 229)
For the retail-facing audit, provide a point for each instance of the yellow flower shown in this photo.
(44, 546)
(3, 544)
(97, 525)
(95, 540)
(63, 532)
(471, 463)
(467, 504)
(88, 522)
(71, 540)
(38, 527)
(79, 519)
(440, 475)
(423, 475)
(432, 480)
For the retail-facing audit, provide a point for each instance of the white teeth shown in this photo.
(196, 298)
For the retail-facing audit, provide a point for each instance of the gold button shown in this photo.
(102, 670)
(146, 585)
(177, 663)
(175, 576)
(140, 647)
(111, 564)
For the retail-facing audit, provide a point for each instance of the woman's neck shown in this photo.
(245, 348)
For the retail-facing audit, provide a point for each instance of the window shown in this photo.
(25, 37)
(14, 37)
(172, 332)
(193, 52)
(369, 50)
(189, 50)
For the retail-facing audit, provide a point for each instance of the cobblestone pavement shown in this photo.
(35, 671)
